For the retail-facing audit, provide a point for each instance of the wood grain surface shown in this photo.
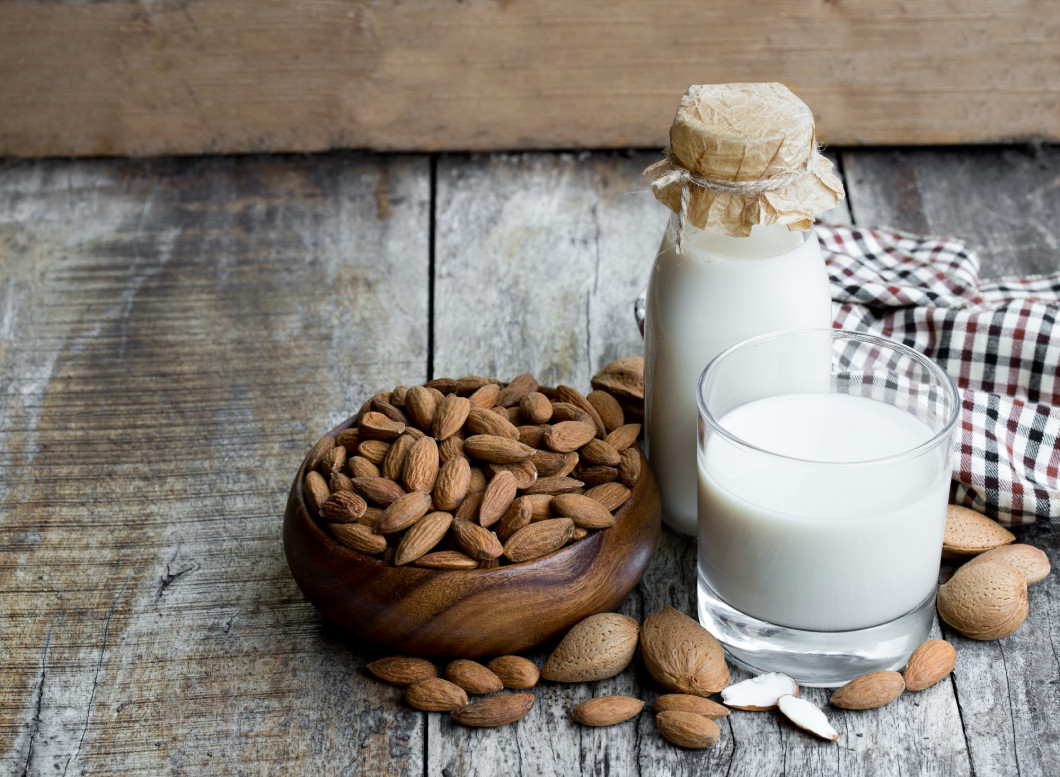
(121, 78)
(174, 334)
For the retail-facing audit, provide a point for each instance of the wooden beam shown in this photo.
(155, 77)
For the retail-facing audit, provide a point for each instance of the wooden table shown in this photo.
(174, 335)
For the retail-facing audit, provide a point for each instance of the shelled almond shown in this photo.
(472, 473)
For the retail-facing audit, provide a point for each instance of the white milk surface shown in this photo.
(720, 291)
(824, 536)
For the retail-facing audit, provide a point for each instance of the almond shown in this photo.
(343, 507)
(568, 436)
(349, 438)
(607, 408)
(394, 463)
(316, 453)
(450, 416)
(515, 517)
(420, 406)
(578, 534)
(624, 380)
(595, 476)
(473, 677)
(622, 437)
(869, 691)
(515, 672)
(596, 648)
(316, 491)
(475, 541)
(397, 396)
(969, 533)
(807, 717)
(467, 510)
(681, 655)
(611, 495)
(371, 518)
(685, 702)
(421, 537)
(360, 467)
(434, 694)
(340, 482)
(532, 436)
(761, 692)
(443, 385)
(565, 411)
(485, 396)
(381, 405)
(495, 710)
(454, 479)
(574, 397)
(497, 498)
(446, 559)
(554, 485)
(607, 710)
(470, 384)
(540, 506)
(403, 512)
(538, 539)
(686, 729)
(358, 537)
(333, 460)
(376, 426)
(599, 453)
(585, 511)
(421, 465)
(1031, 561)
(524, 471)
(374, 450)
(535, 408)
(929, 663)
(496, 449)
(984, 601)
(629, 468)
(520, 386)
(551, 464)
(487, 422)
(451, 447)
(402, 670)
(378, 491)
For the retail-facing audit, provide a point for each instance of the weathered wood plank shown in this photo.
(1005, 203)
(517, 247)
(175, 335)
(197, 76)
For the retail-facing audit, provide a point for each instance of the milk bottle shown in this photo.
(744, 179)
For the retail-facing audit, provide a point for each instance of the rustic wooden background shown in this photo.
(200, 76)
(174, 335)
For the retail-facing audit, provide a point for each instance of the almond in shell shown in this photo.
(681, 655)
(969, 533)
(1029, 560)
(984, 601)
(596, 648)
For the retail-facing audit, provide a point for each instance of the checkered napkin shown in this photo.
(998, 339)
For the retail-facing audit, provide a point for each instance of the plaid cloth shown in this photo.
(997, 339)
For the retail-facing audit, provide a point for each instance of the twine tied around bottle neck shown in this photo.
(679, 174)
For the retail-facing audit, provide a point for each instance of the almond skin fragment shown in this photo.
(681, 655)
(969, 533)
(984, 601)
(869, 691)
(1029, 560)
(493, 711)
(688, 730)
(515, 672)
(596, 648)
(473, 677)
(685, 702)
(929, 663)
(434, 694)
(402, 670)
(607, 710)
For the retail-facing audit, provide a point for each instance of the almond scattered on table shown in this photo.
(929, 663)
(607, 710)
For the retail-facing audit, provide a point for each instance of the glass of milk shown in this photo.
(824, 474)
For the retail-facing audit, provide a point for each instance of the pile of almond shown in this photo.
(472, 473)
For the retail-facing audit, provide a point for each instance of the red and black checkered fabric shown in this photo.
(998, 339)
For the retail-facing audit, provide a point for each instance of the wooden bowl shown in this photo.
(470, 613)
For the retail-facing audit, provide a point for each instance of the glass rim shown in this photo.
(950, 388)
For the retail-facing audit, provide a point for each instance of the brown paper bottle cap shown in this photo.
(744, 154)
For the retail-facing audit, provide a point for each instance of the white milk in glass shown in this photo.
(717, 292)
(792, 531)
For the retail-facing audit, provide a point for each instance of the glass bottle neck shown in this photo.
(765, 241)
